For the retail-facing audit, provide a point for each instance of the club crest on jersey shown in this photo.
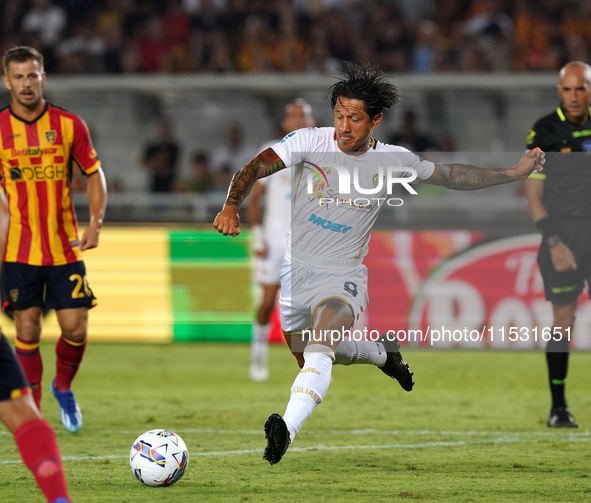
(51, 136)
(376, 180)
(14, 294)
(587, 146)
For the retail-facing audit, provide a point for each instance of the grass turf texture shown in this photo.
(473, 429)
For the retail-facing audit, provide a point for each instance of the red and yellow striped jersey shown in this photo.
(36, 163)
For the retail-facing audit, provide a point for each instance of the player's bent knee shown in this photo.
(300, 359)
(78, 335)
(336, 306)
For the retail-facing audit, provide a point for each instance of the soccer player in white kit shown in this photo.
(269, 229)
(323, 280)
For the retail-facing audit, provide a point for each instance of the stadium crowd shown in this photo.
(295, 36)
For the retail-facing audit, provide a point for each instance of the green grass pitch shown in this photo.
(472, 430)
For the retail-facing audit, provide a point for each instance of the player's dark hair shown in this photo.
(20, 54)
(367, 83)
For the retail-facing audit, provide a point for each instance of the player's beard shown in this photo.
(29, 104)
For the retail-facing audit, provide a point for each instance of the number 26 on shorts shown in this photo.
(81, 283)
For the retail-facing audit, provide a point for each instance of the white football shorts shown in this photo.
(306, 281)
(268, 269)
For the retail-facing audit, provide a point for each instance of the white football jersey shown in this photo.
(277, 212)
(336, 197)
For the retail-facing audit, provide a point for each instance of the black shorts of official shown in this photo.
(564, 287)
(12, 378)
(48, 287)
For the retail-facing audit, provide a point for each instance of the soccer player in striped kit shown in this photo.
(39, 145)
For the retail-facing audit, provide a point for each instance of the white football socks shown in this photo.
(259, 344)
(350, 352)
(309, 387)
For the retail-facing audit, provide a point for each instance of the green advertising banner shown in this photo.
(159, 284)
(211, 288)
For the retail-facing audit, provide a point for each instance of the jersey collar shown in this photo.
(32, 121)
(561, 114)
(562, 117)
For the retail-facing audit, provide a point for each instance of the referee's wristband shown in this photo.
(546, 226)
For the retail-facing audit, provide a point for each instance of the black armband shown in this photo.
(546, 226)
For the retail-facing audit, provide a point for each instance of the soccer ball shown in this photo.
(158, 458)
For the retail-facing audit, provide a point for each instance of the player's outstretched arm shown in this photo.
(266, 163)
(468, 177)
(96, 191)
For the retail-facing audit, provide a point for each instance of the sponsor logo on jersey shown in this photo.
(31, 152)
(49, 172)
(586, 146)
(579, 134)
(351, 288)
(329, 224)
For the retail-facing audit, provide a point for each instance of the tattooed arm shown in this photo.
(467, 177)
(266, 163)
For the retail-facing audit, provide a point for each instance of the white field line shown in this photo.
(367, 431)
(421, 445)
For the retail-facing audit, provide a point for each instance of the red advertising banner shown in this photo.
(438, 289)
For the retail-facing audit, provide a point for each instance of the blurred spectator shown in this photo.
(11, 15)
(160, 159)
(112, 14)
(575, 49)
(392, 45)
(410, 138)
(296, 36)
(471, 58)
(342, 35)
(176, 22)
(289, 53)
(154, 47)
(82, 53)
(47, 20)
(320, 59)
(234, 154)
(194, 6)
(202, 180)
(114, 50)
(253, 54)
(217, 57)
(423, 54)
(223, 178)
(490, 20)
